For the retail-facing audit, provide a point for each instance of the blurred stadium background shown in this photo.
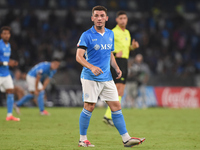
(167, 31)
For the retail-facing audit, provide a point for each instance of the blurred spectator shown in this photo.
(20, 85)
(139, 73)
(168, 32)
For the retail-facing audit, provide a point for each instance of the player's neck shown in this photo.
(122, 27)
(6, 42)
(100, 29)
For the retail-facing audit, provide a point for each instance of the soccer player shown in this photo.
(6, 82)
(122, 47)
(41, 72)
(97, 45)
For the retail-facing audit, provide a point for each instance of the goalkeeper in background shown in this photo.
(123, 45)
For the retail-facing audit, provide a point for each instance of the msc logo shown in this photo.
(106, 46)
(103, 47)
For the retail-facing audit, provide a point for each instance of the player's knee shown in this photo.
(10, 91)
(115, 106)
(89, 106)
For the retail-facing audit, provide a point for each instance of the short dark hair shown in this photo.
(121, 12)
(56, 59)
(99, 8)
(5, 28)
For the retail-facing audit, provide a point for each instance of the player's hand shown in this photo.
(12, 63)
(36, 92)
(135, 44)
(96, 70)
(119, 73)
(119, 54)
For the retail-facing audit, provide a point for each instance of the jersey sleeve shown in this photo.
(52, 74)
(83, 42)
(39, 71)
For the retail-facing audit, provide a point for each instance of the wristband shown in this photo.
(5, 63)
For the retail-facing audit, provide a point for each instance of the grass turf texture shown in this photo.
(164, 129)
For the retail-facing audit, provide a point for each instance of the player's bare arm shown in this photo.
(134, 45)
(119, 54)
(46, 82)
(115, 66)
(80, 59)
(11, 63)
(36, 84)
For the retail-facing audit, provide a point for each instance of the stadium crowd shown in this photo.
(167, 31)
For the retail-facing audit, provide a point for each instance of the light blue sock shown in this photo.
(84, 121)
(10, 102)
(40, 100)
(118, 120)
(24, 99)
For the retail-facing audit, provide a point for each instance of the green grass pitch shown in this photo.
(164, 129)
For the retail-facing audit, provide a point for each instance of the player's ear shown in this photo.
(116, 19)
(107, 18)
(92, 18)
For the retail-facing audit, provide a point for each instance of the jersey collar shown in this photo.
(94, 31)
(117, 26)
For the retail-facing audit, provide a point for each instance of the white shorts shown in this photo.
(31, 83)
(106, 91)
(6, 83)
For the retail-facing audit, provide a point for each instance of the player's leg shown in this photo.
(24, 99)
(40, 101)
(9, 87)
(91, 90)
(40, 97)
(120, 84)
(119, 122)
(31, 87)
(110, 95)
(84, 121)
(108, 117)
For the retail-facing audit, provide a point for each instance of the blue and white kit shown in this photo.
(98, 53)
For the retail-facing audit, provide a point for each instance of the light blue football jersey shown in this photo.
(44, 69)
(5, 52)
(98, 53)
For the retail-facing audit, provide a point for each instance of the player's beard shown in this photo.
(99, 27)
(6, 40)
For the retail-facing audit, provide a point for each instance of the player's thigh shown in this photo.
(91, 90)
(31, 83)
(7, 83)
(109, 92)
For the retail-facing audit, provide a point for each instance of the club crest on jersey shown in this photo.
(96, 47)
(126, 38)
(110, 39)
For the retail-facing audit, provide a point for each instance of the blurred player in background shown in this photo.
(6, 82)
(40, 73)
(123, 45)
(97, 45)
